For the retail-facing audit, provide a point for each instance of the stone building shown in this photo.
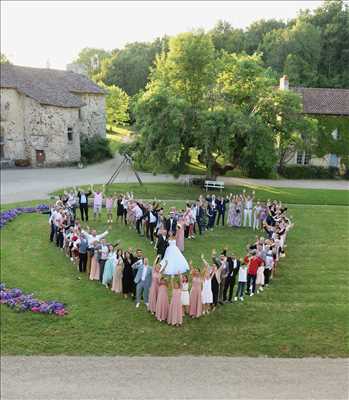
(322, 104)
(45, 112)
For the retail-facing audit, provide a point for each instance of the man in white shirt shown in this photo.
(248, 206)
(139, 215)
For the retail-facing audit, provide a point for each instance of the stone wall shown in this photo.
(12, 124)
(93, 115)
(28, 127)
(46, 129)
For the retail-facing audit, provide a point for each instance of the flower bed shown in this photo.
(15, 298)
(9, 215)
(19, 301)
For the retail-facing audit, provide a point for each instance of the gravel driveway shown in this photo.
(106, 378)
(35, 184)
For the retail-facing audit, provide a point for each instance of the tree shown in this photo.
(4, 59)
(117, 102)
(292, 130)
(225, 37)
(130, 67)
(256, 32)
(92, 59)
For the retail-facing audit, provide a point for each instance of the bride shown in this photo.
(173, 261)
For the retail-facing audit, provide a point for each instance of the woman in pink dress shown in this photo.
(94, 271)
(154, 288)
(175, 313)
(162, 306)
(180, 234)
(117, 277)
(195, 301)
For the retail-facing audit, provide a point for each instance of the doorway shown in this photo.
(40, 158)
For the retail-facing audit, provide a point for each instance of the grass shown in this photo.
(175, 191)
(303, 313)
(117, 135)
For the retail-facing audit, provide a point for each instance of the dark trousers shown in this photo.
(199, 222)
(59, 238)
(215, 290)
(84, 211)
(101, 269)
(219, 217)
(251, 279)
(267, 273)
(229, 284)
(151, 229)
(53, 232)
(139, 225)
(125, 216)
(82, 262)
(211, 220)
(240, 289)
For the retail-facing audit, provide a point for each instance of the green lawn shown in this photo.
(173, 191)
(303, 313)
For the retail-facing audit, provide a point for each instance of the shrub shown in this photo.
(94, 149)
(308, 172)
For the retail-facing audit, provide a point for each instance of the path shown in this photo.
(35, 184)
(106, 378)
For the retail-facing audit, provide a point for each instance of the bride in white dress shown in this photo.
(176, 263)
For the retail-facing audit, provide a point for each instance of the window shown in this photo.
(80, 114)
(307, 158)
(303, 158)
(70, 134)
(300, 157)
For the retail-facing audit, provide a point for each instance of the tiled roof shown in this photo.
(324, 101)
(48, 86)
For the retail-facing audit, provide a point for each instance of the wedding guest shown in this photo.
(128, 285)
(103, 256)
(256, 215)
(154, 288)
(206, 293)
(221, 207)
(142, 280)
(83, 203)
(117, 277)
(253, 263)
(180, 234)
(162, 305)
(195, 302)
(83, 246)
(185, 294)
(175, 312)
(109, 202)
(97, 202)
(233, 270)
(109, 266)
(248, 206)
(242, 279)
(119, 209)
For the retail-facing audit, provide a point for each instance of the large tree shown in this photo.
(216, 106)
(117, 103)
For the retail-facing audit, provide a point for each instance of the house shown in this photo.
(45, 112)
(320, 103)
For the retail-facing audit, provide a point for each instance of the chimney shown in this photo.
(77, 68)
(284, 83)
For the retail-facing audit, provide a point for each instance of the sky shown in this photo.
(42, 33)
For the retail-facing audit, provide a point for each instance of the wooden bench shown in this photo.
(214, 185)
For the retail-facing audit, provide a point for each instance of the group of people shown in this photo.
(195, 291)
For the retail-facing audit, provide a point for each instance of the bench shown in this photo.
(214, 185)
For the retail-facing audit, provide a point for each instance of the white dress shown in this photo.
(175, 260)
(185, 294)
(206, 293)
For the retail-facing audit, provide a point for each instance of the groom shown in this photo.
(142, 280)
(162, 244)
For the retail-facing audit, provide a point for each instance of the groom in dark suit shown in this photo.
(171, 224)
(162, 244)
